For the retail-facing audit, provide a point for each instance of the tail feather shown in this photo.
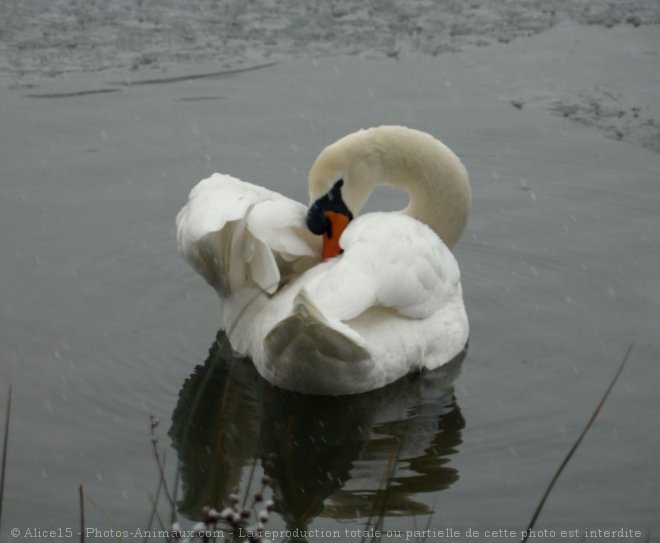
(308, 330)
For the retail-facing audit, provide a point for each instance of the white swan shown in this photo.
(378, 297)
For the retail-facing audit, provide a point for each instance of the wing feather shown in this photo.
(234, 232)
(391, 261)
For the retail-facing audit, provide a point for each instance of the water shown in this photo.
(328, 456)
(103, 325)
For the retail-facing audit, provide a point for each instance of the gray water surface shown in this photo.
(103, 325)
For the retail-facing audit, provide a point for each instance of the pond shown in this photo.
(103, 325)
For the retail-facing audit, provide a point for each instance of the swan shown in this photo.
(326, 301)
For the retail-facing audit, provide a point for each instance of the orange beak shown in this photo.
(338, 223)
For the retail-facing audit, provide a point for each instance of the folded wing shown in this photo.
(234, 233)
(390, 261)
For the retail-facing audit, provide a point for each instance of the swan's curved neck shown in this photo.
(432, 175)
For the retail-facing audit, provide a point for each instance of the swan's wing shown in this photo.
(390, 261)
(391, 303)
(234, 232)
(280, 224)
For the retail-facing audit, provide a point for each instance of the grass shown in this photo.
(575, 446)
(5, 445)
(375, 526)
(234, 518)
(82, 513)
(154, 422)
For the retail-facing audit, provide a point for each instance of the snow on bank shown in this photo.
(51, 37)
(155, 41)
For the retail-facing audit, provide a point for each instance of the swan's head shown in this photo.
(340, 182)
(345, 174)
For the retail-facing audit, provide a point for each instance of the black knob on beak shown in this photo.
(317, 222)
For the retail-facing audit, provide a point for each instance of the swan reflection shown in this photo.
(342, 457)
